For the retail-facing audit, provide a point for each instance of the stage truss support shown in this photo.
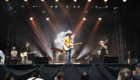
(119, 39)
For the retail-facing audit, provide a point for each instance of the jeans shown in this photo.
(24, 60)
(68, 56)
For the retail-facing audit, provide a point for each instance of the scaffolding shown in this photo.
(119, 39)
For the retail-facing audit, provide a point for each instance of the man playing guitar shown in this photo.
(67, 41)
(68, 45)
(24, 51)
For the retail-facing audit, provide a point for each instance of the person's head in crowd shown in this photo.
(124, 74)
(137, 68)
(85, 76)
(8, 77)
(36, 73)
(59, 76)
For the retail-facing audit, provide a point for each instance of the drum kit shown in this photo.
(60, 56)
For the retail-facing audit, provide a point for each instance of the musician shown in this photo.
(25, 49)
(67, 41)
(103, 49)
(14, 54)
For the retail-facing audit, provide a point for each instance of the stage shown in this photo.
(71, 71)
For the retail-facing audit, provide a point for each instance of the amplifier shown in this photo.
(111, 60)
(41, 60)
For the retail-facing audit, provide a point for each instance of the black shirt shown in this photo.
(25, 49)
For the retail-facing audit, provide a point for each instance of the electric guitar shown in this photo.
(25, 54)
(70, 46)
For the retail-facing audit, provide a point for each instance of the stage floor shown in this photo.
(108, 71)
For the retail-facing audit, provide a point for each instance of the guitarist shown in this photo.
(25, 49)
(67, 41)
(103, 49)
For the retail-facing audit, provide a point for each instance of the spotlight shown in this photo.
(100, 18)
(73, 6)
(42, 0)
(55, 6)
(89, 0)
(105, 0)
(47, 18)
(84, 18)
(56, 0)
(25, 0)
(75, 0)
(31, 18)
(6, 0)
(96, 6)
(67, 6)
(51, 6)
(124, 0)
(78, 6)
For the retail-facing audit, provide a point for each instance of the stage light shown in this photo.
(42, 0)
(89, 0)
(51, 6)
(78, 6)
(84, 18)
(100, 18)
(25, 0)
(6, 0)
(124, 0)
(31, 18)
(105, 0)
(106, 6)
(75, 0)
(55, 6)
(96, 6)
(47, 18)
(56, 0)
(73, 6)
(67, 6)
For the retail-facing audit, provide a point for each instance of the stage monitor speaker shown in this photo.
(41, 60)
(111, 60)
(96, 60)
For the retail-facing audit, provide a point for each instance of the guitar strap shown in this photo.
(27, 49)
(34, 79)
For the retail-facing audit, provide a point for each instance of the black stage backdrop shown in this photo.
(72, 72)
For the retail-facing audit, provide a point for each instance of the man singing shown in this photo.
(25, 50)
(67, 41)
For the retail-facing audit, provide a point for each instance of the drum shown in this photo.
(61, 58)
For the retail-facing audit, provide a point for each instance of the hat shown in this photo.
(101, 42)
(14, 47)
(69, 33)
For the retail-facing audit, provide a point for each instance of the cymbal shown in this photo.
(57, 49)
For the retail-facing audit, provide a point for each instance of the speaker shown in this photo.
(111, 60)
(96, 60)
(41, 60)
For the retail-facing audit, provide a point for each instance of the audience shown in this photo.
(85, 76)
(8, 77)
(136, 72)
(35, 75)
(59, 76)
(124, 74)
